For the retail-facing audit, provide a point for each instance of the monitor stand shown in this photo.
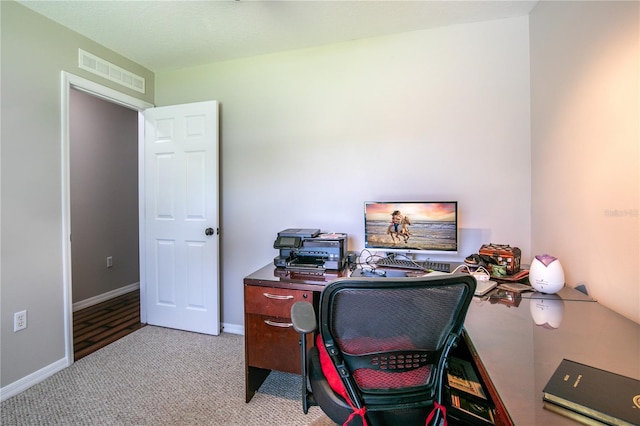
(378, 273)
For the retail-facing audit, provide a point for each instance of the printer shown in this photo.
(310, 250)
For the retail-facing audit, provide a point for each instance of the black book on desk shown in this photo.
(584, 392)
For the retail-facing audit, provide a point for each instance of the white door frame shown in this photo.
(73, 81)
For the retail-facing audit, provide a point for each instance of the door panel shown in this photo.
(181, 202)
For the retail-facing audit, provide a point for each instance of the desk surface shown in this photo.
(511, 298)
(521, 346)
(270, 276)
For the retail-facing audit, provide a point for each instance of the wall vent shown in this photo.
(99, 66)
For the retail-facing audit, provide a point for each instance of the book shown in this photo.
(470, 411)
(462, 376)
(593, 393)
(574, 415)
(468, 402)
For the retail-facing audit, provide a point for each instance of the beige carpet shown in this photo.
(158, 376)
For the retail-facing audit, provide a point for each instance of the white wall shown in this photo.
(585, 136)
(308, 135)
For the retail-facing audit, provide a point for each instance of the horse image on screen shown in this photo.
(411, 226)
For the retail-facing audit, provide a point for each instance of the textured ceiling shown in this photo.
(163, 35)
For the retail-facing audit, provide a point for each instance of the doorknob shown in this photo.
(208, 231)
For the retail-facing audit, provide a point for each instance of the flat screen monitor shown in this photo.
(411, 226)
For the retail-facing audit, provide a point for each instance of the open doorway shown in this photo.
(103, 182)
(77, 297)
(191, 277)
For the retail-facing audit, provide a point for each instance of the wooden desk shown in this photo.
(512, 340)
(516, 356)
(270, 342)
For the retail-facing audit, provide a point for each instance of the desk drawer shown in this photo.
(274, 343)
(273, 302)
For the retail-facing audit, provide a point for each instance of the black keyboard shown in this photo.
(391, 262)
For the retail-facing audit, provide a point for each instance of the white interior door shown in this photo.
(181, 217)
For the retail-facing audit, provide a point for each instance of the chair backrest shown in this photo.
(389, 337)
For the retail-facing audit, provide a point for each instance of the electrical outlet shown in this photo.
(110, 262)
(19, 321)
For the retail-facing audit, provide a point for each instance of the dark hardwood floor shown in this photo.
(98, 325)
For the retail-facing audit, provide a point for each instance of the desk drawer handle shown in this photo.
(279, 324)
(277, 296)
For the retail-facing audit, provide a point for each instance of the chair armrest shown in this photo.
(303, 317)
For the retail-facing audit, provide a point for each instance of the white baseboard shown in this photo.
(26, 382)
(105, 296)
(233, 328)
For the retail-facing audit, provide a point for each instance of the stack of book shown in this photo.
(592, 396)
(468, 403)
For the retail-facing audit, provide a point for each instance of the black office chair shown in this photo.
(381, 349)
